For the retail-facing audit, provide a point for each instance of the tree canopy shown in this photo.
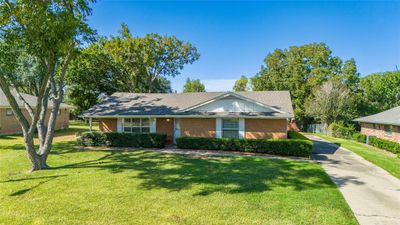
(242, 84)
(300, 69)
(193, 85)
(379, 92)
(333, 101)
(127, 63)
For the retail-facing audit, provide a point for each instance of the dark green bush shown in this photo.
(285, 147)
(92, 139)
(113, 139)
(385, 144)
(296, 135)
(359, 137)
(340, 130)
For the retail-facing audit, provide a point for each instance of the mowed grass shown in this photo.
(148, 187)
(379, 157)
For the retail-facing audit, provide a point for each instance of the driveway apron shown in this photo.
(371, 192)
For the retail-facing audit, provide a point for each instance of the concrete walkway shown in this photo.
(371, 192)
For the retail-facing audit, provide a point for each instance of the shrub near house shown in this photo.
(296, 145)
(112, 139)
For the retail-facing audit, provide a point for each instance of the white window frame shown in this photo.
(9, 112)
(141, 126)
(230, 128)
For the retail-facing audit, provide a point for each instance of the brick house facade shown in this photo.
(385, 125)
(209, 114)
(10, 125)
(387, 132)
(207, 127)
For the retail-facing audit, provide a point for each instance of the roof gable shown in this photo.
(232, 102)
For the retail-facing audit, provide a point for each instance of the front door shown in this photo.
(177, 129)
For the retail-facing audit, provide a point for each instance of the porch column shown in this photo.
(90, 124)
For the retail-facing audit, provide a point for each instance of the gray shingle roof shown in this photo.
(389, 117)
(136, 104)
(32, 100)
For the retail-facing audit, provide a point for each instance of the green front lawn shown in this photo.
(146, 187)
(381, 158)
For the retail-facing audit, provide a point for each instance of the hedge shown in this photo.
(113, 139)
(296, 135)
(384, 144)
(359, 137)
(378, 142)
(340, 130)
(284, 147)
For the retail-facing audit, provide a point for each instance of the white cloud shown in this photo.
(218, 84)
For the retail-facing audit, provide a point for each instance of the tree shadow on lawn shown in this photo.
(25, 190)
(211, 174)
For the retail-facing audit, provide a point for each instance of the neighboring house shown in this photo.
(10, 125)
(261, 114)
(385, 125)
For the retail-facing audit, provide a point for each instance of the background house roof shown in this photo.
(135, 104)
(32, 100)
(389, 117)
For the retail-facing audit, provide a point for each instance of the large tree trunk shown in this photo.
(36, 160)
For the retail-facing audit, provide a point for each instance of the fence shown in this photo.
(317, 128)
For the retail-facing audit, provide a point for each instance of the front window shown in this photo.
(137, 125)
(388, 130)
(230, 128)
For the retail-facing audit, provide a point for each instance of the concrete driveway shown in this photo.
(371, 192)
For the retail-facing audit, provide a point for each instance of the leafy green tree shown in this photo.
(300, 69)
(91, 74)
(48, 32)
(379, 92)
(333, 101)
(193, 86)
(144, 61)
(242, 84)
(127, 63)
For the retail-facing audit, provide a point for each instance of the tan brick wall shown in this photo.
(192, 127)
(379, 131)
(265, 128)
(165, 126)
(108, 125)
(10, 125)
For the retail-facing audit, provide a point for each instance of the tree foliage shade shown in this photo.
(193, 85)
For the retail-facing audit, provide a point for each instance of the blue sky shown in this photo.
(233, 37)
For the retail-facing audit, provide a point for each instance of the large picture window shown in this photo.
(137, 125)
(230, 128)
